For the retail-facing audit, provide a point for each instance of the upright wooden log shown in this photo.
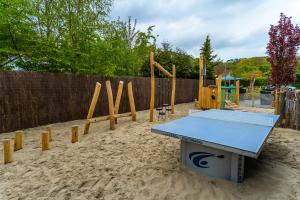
(92, 107)
(131, 101)
(200, 83)
(219, 91)
(7, 151)
(282, 108)
(18, 140)
(297, 110)
(74, 136)
(118, 98)
(49, 129)
(45, 140)
(110, 105)
(152, 79)
(276, 101)
(173, 89)
(237, 92)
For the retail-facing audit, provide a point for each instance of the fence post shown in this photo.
(297, 109)
(282, 108)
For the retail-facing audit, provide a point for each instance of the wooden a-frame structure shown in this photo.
(154, 64)
(113, 107)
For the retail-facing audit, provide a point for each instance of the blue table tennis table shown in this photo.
(215, 142)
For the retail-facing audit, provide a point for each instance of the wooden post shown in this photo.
(200, 84)
(297, 110)
(18, 140)
(276, 101)
(48, 128)
(173, 89)
(92, 107)
(118, 98)
(152, 79)
(219, 91)
(45, 140)
(131, 101)
(7, 151)
(237, 92)
(110, 105)
(74, 131)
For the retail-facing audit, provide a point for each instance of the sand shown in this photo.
(133, 163)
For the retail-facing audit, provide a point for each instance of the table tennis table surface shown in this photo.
(239, 132)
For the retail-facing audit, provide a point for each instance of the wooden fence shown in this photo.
(288, 107)
(29, 99)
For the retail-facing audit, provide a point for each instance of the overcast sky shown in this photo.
(238, 28)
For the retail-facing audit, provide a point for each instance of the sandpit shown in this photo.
(133, 163)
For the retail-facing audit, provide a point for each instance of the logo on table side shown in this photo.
(197, 158)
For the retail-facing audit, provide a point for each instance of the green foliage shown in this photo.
(70, 36)
(166, 56)
(248, 68)
(209, 58)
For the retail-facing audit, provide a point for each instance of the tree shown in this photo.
(208, 57)
(282, 51)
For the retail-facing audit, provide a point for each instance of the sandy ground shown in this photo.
(133, 163)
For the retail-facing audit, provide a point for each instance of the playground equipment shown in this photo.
(230, 94)
(113, 107)
(163, 107)
(208, 97)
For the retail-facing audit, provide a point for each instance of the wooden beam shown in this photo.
(131, 101)
(92, 107)
(237, 92)
(45, 140)
(110, 105)
(219, 91)
(98, 119)
(7, 151)
(74, 134)
(152, 80)
(163, 70)
(123, 115)
(118, 98)
(200, 86)
(94, 100)
(173, 89)
(18, 140)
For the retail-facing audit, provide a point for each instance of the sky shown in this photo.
(237, 28)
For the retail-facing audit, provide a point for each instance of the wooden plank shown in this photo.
(200, 83)
(74, 133)
(152, 80)
(110, 105)
(237, 92)
(45, 140)
(173, 89)
(18, 140)
(7, 151)
(131, 101)
(163, 70)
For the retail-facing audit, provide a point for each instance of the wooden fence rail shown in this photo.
(29, 99)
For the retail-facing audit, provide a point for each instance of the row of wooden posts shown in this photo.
(46, 138)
